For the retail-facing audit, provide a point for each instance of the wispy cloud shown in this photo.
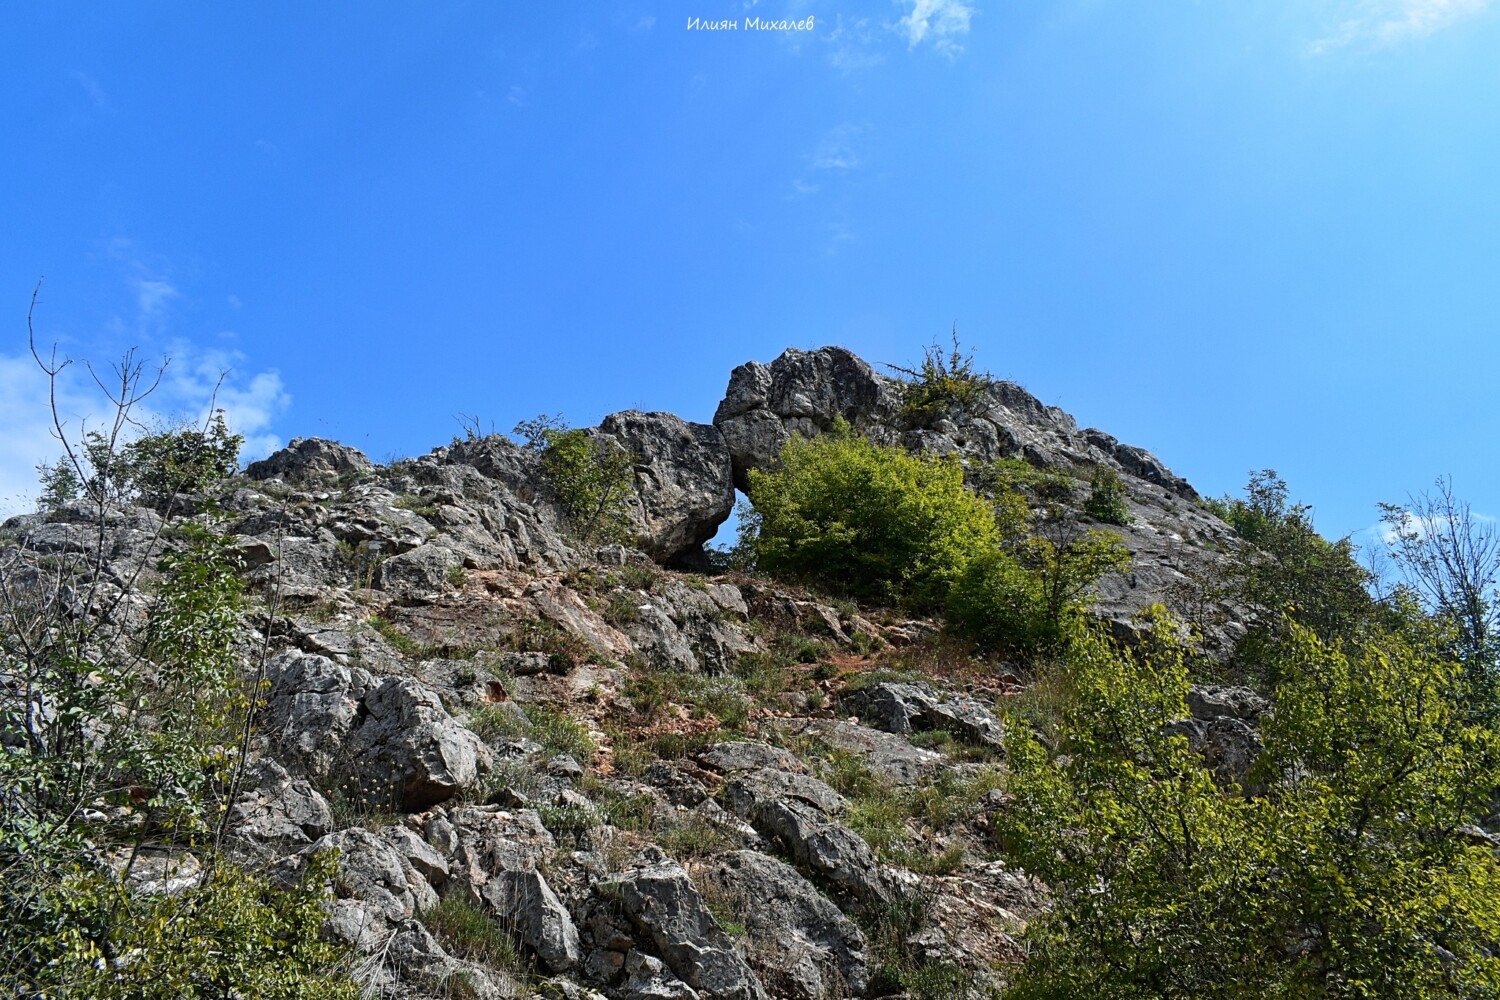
(836, 150)
(939, 23)
(152, 295)
(852, 45)
(251, 403)
(516, 95)
(96, 95)
(201, 380)
(836, 154)
(1388, 23)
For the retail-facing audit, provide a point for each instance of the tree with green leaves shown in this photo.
(865, 520)
(1451, 558)
(1350, 875)
(592, 476)
(125, 708)
(1290, 574)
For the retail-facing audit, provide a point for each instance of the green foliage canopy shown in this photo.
(865, 520)
(593, 477)
(1346, 878)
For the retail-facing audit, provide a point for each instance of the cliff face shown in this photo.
(659, 783)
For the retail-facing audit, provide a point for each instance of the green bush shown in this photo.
(1023, 600)
(865, 520)
(999, 605)
(232, 934)
(150, 469)
(1106, 500)
(592, 477)
(1343, 878)
(942, 382)
(1292, 574)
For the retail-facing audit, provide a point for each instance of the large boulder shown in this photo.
(310, 460)
(664, 905)
(276, 810)
(683, 484)
(799, 814)
(897, 707)
(386, 743)
(798, 941)
(801, 392)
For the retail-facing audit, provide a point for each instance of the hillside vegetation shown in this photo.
(981, 704)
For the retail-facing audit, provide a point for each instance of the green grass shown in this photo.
(554, 730)
(468, 931)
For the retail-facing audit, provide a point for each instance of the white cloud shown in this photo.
(941, 23)
(835, 155)
(836, 150)
(516, 95)
(1387, 23)
(28, 437)
(644, 23)
(251, 404)
(853, 45)
(152, 295)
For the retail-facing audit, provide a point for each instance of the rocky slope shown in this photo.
(657, 782)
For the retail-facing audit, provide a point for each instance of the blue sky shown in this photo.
(1240, 235)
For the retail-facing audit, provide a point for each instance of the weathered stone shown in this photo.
(308, 460)
(683, 486)
(798, 942)
(422, 570)
(276, 810)
(900, 708)
(1209, 701)
(796, 812)
(744, 755)
(389, 742)
(887, 755)
(525, 901)
(662, 902)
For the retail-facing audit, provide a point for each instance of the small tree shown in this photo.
(869, 521)
(1106, 500)
(125, 715)
(1291, 574)
(1452, 559)
(1346, 878)
(592, 476)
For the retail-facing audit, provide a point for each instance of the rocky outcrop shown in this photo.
(1222, 728)
(902, 708)
(799, 814)
(277, 811)
(800, 944)
(310, 460)
(384, 743)
(1175, 545)
(683, 484)
(662, 902)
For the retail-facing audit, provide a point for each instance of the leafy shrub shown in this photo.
(1106, 500)
(1292, 574)
(940, 383)
(592, 477)
(865, 520)
(150, 469)
(1342, 879)
(233, 934)
(1023, 601)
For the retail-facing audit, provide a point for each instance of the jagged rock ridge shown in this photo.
(464, 704)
